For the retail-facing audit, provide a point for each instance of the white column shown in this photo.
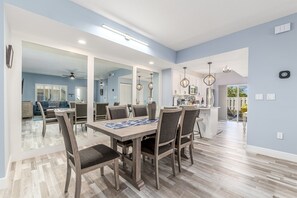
(134, 82)
(90, 88)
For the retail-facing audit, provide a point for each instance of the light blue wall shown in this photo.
(98, 97)
(156, 88)
(268, 54)
(2, 65)
(167, 87)
(85, 20)
(114, 84)
(31, 79)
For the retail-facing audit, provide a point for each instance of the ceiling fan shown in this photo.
(71, 76)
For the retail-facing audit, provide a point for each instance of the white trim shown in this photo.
(271, 153)
(4, 181)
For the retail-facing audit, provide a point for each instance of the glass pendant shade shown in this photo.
(184, 82)
(139, 86)
(209, 79)
(150, 85)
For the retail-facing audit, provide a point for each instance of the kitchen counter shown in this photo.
(209, 125)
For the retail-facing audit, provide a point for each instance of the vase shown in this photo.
(152, 111)
(209, 97)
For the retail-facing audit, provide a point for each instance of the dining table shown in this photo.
(128, 129)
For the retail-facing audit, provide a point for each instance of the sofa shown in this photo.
(49, 105)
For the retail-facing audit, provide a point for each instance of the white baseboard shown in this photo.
(271, 153)
(4, 181)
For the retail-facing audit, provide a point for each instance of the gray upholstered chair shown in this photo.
(139, 110)
(164, 143)
(100, 111)
(85, 160)
(45, 120)
(119, 112)
(116, 112)
(185, 133)
(81, 114)
(72, 104)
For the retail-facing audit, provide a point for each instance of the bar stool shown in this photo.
(198, 119)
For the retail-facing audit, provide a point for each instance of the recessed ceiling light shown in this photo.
(151, 62)
(83, 42)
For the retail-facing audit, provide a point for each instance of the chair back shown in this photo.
(68, 136)
(81, 110)
(167, 126)
(101, 109)
(139, 110)
(116, 112)
(41, 110)
(171, 107)
(72, 104)
(188, 119)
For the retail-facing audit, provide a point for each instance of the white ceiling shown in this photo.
(50, 61)
(237, 60)
(45, 31)
(179, 24)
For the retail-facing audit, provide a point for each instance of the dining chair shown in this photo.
(72, 104)
(139, 110)
(100, 111)
(119, 112)
(85, 160)
(129, 110)
(81, 114)
(185, 133)
(164, 143)
(45, 120)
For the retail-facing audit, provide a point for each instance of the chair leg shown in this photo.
(191, 153)
(67, 177)
(179, 159)
(43, 129)
(77, 185)
(102, 171)
(173, 162)
(116, 174)
(157, 173)
(199, 131)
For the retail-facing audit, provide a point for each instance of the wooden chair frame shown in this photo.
(76, 166)
(156, 157)
(190, 135)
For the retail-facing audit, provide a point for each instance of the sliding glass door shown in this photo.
(236, 102)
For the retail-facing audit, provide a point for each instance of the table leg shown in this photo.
(113, 144)
(137, 163)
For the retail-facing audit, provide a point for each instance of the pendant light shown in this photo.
(150, 85)
(209, 79)
(139, 86)
(184, 82)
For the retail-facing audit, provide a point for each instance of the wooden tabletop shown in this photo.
(127, 133)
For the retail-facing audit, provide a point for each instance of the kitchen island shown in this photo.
(209, 125)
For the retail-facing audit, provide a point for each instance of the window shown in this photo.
(50, 92)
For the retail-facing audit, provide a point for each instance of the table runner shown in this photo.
(129, 123)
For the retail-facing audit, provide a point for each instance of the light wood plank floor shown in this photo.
(221, 168)
(32, 134)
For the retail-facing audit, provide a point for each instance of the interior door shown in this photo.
(125, 93)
